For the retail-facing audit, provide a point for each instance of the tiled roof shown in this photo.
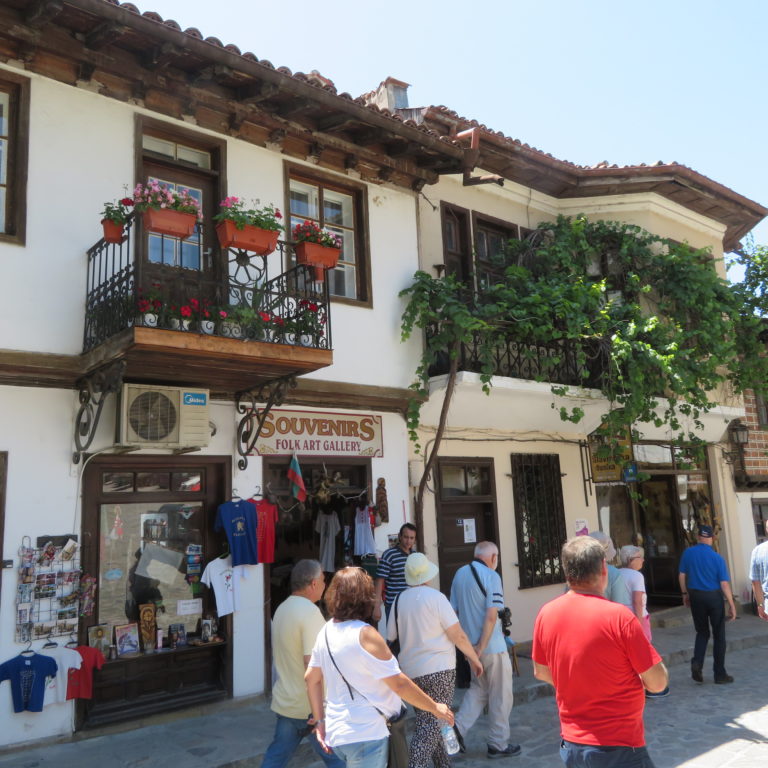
(314, 78)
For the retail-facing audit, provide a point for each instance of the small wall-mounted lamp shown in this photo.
(738, 436)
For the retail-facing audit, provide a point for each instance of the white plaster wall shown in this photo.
(525, 603)
(35, 429)
(82, 154)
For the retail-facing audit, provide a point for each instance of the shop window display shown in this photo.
(146, 560)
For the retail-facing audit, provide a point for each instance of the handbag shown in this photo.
(394, 645)
(398, 745)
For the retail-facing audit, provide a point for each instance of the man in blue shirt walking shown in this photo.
(704, 580)
(477, 596)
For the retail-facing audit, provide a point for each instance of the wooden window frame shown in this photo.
(359, 193)
(481, 220)
(18, 155)
(465, 236)
(217, 173)
(553, 523)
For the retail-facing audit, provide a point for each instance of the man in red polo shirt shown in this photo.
(595, 654)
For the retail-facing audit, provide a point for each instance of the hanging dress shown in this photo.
(364, 542)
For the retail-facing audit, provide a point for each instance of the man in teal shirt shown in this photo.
(703, 581)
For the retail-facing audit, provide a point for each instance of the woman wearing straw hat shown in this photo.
(428, 629)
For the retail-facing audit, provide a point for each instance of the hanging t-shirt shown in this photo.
(327, 526)
(80, 684)
(224, 579)
(66, 659)
(27, 677)
(238, 519)
(266, 514)
(364, 543)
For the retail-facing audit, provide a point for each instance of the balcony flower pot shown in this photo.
(207, 327)
(148, 319)
(180, 323)
(113, 232)
(230, 329)
(165, 221)
(249, 238)
(321, 257)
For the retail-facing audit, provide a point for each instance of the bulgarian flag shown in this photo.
(297, 481)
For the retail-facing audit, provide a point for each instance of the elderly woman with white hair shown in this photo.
(631, 562)
(616, 590)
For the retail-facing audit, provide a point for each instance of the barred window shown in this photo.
(539, 518)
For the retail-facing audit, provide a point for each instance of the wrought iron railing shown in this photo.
(558, 362)
(253, 300)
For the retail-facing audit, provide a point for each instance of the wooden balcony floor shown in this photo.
(191, 359)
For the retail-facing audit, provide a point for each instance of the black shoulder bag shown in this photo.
(394, 645)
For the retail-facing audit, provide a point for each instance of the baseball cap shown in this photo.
(705, 531)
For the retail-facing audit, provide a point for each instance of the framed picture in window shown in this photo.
(127, 638)
(98, 637)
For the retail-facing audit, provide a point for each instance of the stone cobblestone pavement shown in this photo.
(697, 726)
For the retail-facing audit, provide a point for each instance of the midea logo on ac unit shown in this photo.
(194, 398)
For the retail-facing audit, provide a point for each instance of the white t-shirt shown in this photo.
(423, 615)
(635, 582)
(349, 719)
(225, 582)
(66, 659)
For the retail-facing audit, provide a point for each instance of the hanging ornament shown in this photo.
(117, 526)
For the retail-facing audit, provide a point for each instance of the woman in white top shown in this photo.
(363, 682)
(631, 562)
(429, 632)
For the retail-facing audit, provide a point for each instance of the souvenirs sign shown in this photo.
(315, 433)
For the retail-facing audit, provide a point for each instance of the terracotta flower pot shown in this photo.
(113, 233)
(319, 256)
(250, 238)
(165, 221)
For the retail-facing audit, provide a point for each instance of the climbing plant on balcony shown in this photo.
(652, 314)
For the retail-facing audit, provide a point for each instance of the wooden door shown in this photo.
(662, 538)
(466, 513)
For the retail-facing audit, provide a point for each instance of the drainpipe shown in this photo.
(471, 157)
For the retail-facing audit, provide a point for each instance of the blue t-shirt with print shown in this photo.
(27, 676)
(238, 519)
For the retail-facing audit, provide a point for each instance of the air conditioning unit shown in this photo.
(163, 417)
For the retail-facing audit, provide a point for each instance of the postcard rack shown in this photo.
(48, 589)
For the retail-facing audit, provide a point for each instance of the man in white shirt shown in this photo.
(295, 627)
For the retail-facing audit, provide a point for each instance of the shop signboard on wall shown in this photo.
(318, 433)
(608, 469)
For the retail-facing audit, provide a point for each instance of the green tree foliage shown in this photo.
(651, 315)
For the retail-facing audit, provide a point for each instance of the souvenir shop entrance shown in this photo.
(147, 535)
(661, 516)
(322, 528)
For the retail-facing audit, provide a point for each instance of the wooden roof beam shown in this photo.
(103, 35)
(294, 107)
(43, 12)
(160, 56)
(337, 122)
(256, 92)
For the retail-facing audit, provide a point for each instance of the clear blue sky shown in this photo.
(626, 82)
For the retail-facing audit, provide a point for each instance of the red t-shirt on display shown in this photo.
(266, 517)
(595, 650)
(80, 682)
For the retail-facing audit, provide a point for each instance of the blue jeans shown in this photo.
(289, 731)
(364, 754)
(592, 756)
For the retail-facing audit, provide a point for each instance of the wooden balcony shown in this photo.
(179, 326)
